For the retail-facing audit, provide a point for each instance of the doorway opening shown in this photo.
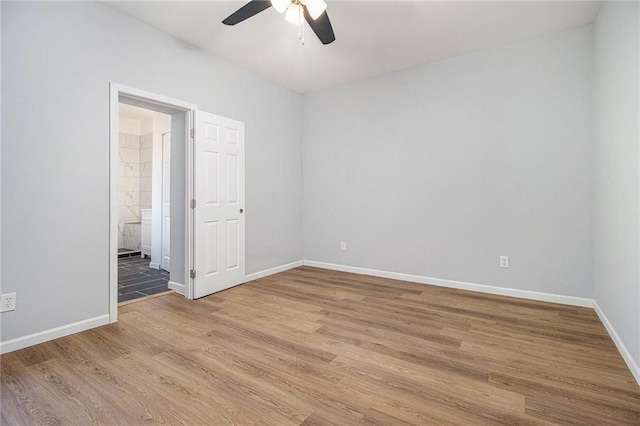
(144, 138)
(149, 189)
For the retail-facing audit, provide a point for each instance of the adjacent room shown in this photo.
(298, 212)
(144, 146)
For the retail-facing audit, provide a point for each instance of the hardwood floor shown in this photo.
(312, 347)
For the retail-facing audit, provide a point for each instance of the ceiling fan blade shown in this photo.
(247, 11)
(321, 26)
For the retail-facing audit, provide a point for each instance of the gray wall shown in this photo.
(1, 91)
(616, 201)
(58, 60)
(439, 170)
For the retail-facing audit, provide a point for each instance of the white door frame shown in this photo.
(162, 104)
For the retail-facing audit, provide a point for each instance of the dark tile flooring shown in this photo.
(136, 279)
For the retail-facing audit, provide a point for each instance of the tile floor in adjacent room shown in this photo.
(136, 279)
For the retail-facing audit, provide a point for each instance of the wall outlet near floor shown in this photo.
(343, 245)
(8, 302)
(504, 262)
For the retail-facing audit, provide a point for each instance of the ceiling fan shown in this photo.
(313, 11)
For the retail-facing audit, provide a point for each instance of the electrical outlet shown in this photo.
(343, 245)
(504, 262)
(8, 302)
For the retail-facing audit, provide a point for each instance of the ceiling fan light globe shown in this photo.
(294, 13)
(280, 5)
(315, 7)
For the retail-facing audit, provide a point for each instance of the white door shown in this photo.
(218, 190)
(166, 202)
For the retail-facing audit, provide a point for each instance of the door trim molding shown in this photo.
(178, 288)
(160, 103)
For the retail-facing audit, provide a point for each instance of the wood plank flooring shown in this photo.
(312, 347)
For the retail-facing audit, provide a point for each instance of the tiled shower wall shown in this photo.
(134, 186)
(146, 152)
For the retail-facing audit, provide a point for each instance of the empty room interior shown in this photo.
(299, 212)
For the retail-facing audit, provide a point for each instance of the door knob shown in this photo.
(241, 211)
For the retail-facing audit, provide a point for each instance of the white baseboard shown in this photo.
(154, 265)
(271, 271)
(481, 288)
(54, 333)
(178, 288)
(626, 355)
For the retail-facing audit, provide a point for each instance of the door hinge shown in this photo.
(192, 274)
(193, 204)
(193, 133)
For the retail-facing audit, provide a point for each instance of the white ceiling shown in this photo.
(372, 37)
(135, 113)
